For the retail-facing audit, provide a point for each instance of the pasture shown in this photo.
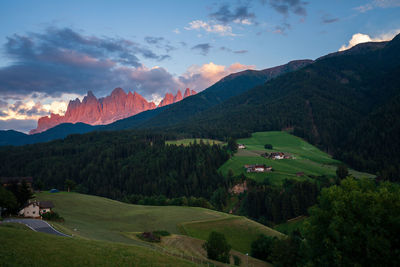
(307, 159)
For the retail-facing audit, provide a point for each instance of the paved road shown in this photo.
(37, 226)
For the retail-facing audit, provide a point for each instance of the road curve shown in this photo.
(37, 226)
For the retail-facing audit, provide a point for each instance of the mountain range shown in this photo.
(93, 111)
(346, 103)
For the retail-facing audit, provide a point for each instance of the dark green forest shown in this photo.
(118, 164)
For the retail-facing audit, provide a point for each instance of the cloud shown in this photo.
(201, 77)
(359, 38)
(61, 60)
(161, 43)
(240, 51)
(203, 48)
(21, 125)
(282, 29)
(153, 40)
(378, 4)
(326, 19)
(285, 7)
(239, 15)
(227, 49)
(34, 106)
(3, 104)
(211, 27)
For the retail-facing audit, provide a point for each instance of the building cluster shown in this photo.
(241, 146)
(257, 168)
(277, 155)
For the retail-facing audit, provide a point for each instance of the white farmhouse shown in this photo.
(36, 209)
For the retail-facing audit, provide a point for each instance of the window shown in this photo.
(33, 212)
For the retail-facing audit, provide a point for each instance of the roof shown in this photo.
(6, 180)
(46, 204)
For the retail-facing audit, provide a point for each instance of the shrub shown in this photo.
(261, 248)
(268, 146)
(217, 247)
(149, 237)
(161, 233)
(52, 216)
(236, 260)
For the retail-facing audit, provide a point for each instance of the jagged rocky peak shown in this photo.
(118, 105)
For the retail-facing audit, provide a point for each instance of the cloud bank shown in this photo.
(359, 38)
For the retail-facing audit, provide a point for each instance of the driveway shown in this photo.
(37, 226)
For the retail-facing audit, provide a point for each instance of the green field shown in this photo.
(23, 247)
(307, 158)
(100, 218)
(189, 141)
(240, 232)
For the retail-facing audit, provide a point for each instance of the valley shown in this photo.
(260, 160)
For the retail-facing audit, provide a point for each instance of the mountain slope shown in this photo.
(226, 88)
(326, 102)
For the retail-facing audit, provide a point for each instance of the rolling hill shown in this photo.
(98, 218)
(109, 227)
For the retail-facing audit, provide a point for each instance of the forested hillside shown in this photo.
(118, 164)
(346, 104)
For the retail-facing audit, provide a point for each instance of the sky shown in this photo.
(55, 51)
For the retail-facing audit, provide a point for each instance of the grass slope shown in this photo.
(240, 232)
(20, 247)
(105, 219)
(308, 158)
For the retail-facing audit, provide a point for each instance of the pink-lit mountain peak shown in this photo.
(118, 105)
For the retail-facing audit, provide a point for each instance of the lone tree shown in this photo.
(217, 247)
(268, 146)
(70, 184)
(342, 171)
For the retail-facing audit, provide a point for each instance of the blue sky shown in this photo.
(52, 51)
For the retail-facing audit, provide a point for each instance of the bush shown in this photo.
(161, 233)
(217, 247)
(149, 237)
(52, 216)
(236, 260)
(268, 146)
(261, 248)
(154, 236)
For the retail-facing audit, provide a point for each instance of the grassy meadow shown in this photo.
(92, 217)
(307, 158)
(47, 250)
(240, 232)
(101, 218)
